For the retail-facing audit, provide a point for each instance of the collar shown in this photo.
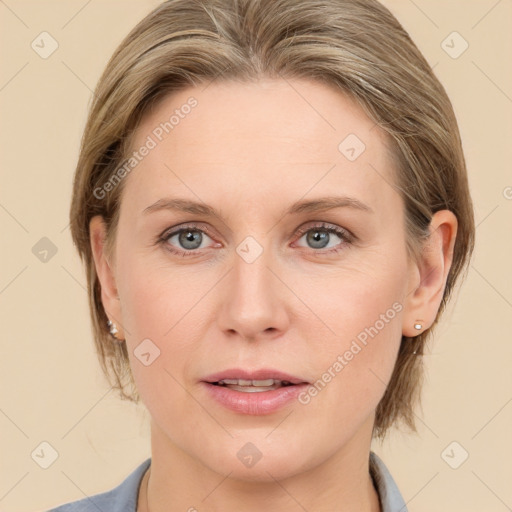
(390, 498)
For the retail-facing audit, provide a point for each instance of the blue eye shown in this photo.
(325, 237)
(186, 239)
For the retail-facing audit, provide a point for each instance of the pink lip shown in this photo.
(264, 402)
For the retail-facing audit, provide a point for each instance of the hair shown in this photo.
(358, 47)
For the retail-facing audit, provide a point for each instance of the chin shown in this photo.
(258, 461)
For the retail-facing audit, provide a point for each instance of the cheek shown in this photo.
(162, 310)
(362, 292)
(157, 297)
(355, 336)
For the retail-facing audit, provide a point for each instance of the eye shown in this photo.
(324, 237)
(186, 240)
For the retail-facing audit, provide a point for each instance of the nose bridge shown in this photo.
(253, 302)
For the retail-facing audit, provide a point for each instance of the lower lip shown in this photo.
(257, 403)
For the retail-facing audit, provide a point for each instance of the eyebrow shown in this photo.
(302, 206)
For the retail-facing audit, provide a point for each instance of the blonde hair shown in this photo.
(356, 46)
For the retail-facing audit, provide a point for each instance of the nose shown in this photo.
(254, 300)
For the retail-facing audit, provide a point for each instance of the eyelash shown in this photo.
(346, 237)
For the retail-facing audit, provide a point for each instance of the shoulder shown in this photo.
(122, 498)
(389, 495)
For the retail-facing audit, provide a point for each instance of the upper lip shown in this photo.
(260, 374)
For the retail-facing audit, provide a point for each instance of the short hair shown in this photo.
(358, 47)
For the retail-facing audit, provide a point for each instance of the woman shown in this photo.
(272, 205)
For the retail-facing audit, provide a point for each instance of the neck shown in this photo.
(176, 482)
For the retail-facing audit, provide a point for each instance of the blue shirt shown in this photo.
(124, 497)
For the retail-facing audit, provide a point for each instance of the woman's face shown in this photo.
(292, 260)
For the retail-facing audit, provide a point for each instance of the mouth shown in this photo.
(256, 392)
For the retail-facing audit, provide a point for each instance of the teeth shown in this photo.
(267, 382)
(244, 382)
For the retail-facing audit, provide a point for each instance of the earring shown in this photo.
(113, 329)
(418, 326)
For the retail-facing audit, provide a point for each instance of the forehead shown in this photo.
(256, 140)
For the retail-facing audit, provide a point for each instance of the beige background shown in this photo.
(52, 389)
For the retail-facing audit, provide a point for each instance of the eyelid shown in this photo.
(200, 226)
(345, 233)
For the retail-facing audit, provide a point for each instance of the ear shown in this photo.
(105, 273)
(429, 274)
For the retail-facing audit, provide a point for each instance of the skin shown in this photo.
(250, 151)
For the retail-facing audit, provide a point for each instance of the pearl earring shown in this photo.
(418, 326)
(112, 328)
